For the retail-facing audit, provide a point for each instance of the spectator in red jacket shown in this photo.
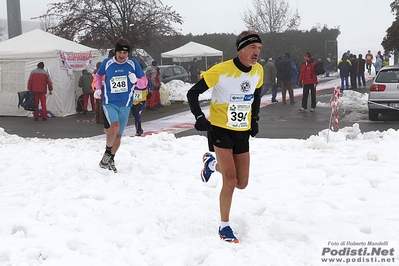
(308, 79)
(369, 61)
(38, 83)
(154, 75)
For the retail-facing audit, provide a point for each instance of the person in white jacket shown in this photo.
(377, 64)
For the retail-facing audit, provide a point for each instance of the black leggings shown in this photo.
(306, 89)
(136, 111)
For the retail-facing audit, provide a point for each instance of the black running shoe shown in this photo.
(104, 161)
(111, 165)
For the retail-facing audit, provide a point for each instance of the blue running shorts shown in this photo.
(113, 113)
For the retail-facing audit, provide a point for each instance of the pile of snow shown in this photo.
(59, 208)
(178, 89)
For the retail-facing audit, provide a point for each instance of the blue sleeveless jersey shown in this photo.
(118, 89)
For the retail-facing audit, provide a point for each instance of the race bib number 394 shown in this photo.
(237, 115)
(118, 84)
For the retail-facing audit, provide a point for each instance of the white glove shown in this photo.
(132, 77)
(97, 94)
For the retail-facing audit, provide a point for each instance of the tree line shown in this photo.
(391, 39)
(318, 42)
(148, 25)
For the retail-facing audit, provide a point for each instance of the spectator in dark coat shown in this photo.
(344, 66)
(194, 72)
(361, 67)
(85, 82)
(276, 64)
(269, 79)
(353, 71)
(284, 72)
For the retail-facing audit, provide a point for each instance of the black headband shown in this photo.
(120, 47)
(252, 38)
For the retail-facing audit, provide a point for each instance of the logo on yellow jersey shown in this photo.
(245, 86)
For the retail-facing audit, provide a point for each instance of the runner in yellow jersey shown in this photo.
(236, 85)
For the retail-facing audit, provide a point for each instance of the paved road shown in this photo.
(74, 126)
(276, 121)
(285, 121)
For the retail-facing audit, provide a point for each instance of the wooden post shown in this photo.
(99, 112)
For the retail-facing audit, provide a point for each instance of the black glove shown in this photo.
(149, 95)
(254, 127)
(202, 124)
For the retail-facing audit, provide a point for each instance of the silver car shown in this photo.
(172, 72)
(384, 92)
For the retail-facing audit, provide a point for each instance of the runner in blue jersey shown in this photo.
(115, 81)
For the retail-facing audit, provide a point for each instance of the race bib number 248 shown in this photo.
(118, 84)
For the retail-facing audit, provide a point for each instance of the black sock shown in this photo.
(108, 149)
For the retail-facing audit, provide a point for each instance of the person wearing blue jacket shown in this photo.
(284, 73)
(122, 74)
(377, 64)
(295, 73)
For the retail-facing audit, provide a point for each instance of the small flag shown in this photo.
(334, 112)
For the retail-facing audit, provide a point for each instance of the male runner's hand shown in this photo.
(254, 126)
(132, 77)
(97, 94)
(202, 124)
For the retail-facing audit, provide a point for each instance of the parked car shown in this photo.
(384, 92)
(172, 72)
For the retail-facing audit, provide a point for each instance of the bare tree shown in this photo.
(99, 23)
(271, 16)
(47, 22)
(395, 7)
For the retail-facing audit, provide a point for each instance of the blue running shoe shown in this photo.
(227, 235)
(206, 172)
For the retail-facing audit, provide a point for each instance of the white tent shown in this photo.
(191, 50)
(21, 54)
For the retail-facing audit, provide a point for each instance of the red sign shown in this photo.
(75, 61)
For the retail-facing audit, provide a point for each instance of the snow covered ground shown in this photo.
(58, 208)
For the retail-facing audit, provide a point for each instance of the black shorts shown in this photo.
(106, 123)
(238, 141)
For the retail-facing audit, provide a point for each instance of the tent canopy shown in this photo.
(192, 49)
(20, 55)
(39, 44)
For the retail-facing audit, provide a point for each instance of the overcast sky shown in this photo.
(363, 23)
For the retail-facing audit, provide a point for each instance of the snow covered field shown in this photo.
(58, 208)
